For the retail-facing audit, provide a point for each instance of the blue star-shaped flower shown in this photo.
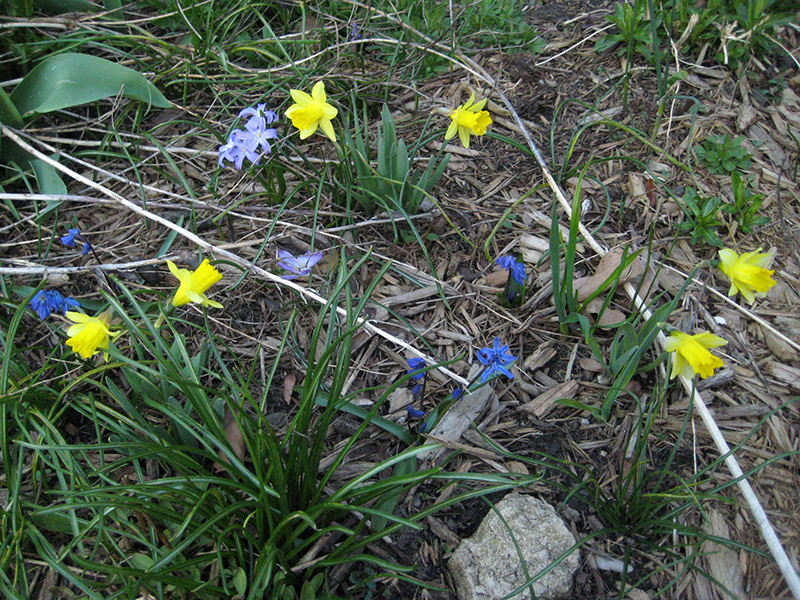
(46, 302)
(233, 150)
(73, 235)
(517, 269)
(413, 413)
(495, 369)
(266, 116)
(518, 273)
(298, 266)
(497, 358)
(415, 364)
(505, 262)
(252, 142)
(69, 239)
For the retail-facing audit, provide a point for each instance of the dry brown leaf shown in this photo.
(611, 316)
(496, 278)
(747, 115)
(671, 208)
(587, 184)
(288, 387)
(234, 435)
(399, 399)
(514, 466)
(594, 306)
(611, 260)
(235, 438)
(590, 364)
(636, 188)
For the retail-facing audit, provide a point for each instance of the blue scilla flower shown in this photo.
(495, 369)
(415, 364)
(413, 413)
(497, 358)
(73, 235)
(252, 142)
(69, 239)
(259, 116)
(297, 266)
(517, 269)
(46, 302)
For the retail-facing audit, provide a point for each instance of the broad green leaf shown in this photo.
(8, 112)
(141, 561)
(48, 178)
(71, 79)
(240, 581)
(49, 183)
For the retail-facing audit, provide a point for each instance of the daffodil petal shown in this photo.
(318, 93)
(327, 128)
(463, 135)
(302, 98)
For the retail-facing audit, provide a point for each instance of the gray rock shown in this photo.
(487, 565)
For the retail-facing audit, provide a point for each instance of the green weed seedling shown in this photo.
(745, 205)
(499, 23)
(757, 21)
(633, 34)
(752, 23)
(701, 217)
(678, 13)
(723, 154)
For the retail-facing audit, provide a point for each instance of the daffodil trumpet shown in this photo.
(691, 354)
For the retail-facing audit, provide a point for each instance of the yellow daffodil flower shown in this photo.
(468, 118)
(748, 273)
(90, 334)
(194, 284)
(312, 111)
(691, 353)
